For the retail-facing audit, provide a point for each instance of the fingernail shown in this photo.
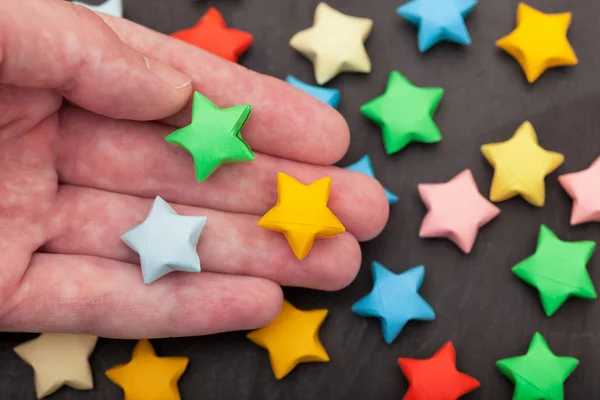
(167, 74)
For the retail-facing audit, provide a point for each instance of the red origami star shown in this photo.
(212, 34)
(437, 377)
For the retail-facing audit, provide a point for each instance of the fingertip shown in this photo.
(327, 130)
(264, 302)
(341, 270)
(337, 127)
(367, 206)
(292, 124)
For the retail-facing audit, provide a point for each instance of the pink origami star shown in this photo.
(456, 210)
(583, 187)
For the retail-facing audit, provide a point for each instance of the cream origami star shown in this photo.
(584, 188)
(334, 43)
(539, 41)
(520, 165)
(111, 7)
(59, 359)
(456, 210)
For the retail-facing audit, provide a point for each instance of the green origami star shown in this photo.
(213, 138)
(538, 375)
(405, 113)
(558, 270)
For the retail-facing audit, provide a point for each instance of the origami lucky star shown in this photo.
(292, 338)
(521, 165)
(214, 137)
(395, 300)
(326, 95)
(59, 359)
(301, 213)
(165, 241)
(539, 42)
(557, 270)
(334, 43)
(364, 166)
(111, 7)
(456, 210)
(405, 113)
(583, 187)
(212, 34)
(437, 377)
(438, 20)
(538, 375)
(148, 377)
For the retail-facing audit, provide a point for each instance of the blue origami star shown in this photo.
(395, 300)
(364, 166)
(438, 20)
(165, 241)
(329, 96)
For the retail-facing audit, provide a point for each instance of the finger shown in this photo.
(91, 222)
(284, 122)
(133, 158)
(62, 293)
(86, 63)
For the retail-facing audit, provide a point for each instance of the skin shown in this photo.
(83, 116)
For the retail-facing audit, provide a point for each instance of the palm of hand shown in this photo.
(73, 179)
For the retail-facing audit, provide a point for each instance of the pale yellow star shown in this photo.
(334, 43)
(292, 338)
(539, 41)
(521, 165)
(59, 359)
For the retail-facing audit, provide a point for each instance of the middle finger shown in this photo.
(134, 158)
(90, 222)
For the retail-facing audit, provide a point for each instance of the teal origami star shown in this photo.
(438, 20)
(364, 166)
(395, 300)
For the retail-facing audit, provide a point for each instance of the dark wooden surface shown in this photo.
(480, 305)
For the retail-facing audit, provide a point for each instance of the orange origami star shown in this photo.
(212, 34)
(539, 41)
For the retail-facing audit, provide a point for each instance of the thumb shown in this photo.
(53, 44)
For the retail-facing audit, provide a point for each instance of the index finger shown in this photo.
(285, 122)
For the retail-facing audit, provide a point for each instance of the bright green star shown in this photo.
(558, 270)
(214, 136)
(539, 374)
(405, 113)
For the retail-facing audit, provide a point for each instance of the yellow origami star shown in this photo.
(334, 43)
(59, 359)
(148, 377)
(539, 41)
(521, 165)
(301, 213)
(292, 338)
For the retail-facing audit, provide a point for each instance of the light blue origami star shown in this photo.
(395, 300)
(111, 7)
(438, 20)
(364, 166)
(166, 241)
(326, 95)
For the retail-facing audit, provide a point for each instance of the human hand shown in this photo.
(82, 156)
